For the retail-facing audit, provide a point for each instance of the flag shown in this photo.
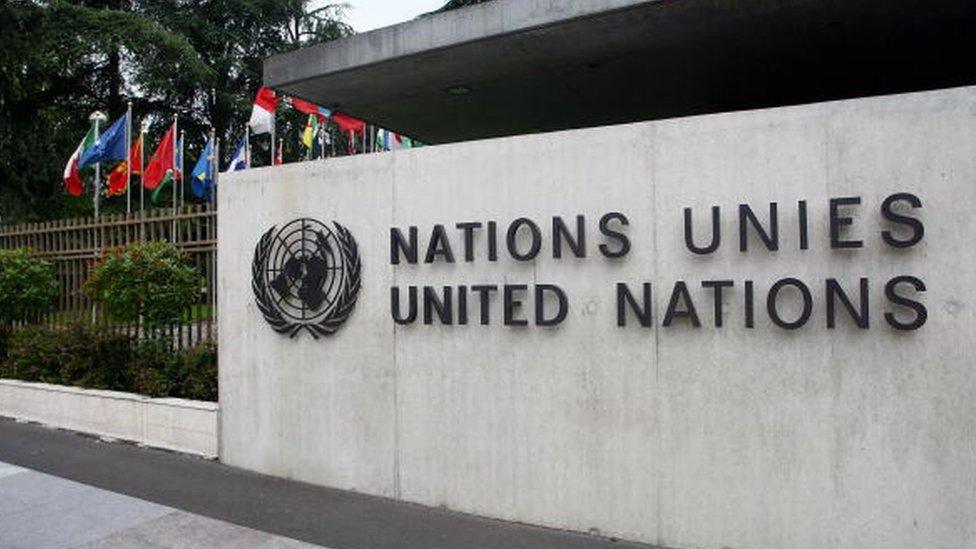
(119, 177)
(167, 180)
(239, 160)
(135, 156)
(303, 106)
(311, 129)
(72, 179)
(348, 123)
(391, 141)
(161, 161)
(351, 126)
(262, 113)
(109, 145)
(116, 180)
(202, 176)
(178, 168)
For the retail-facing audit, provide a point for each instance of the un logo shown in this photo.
(306, 276)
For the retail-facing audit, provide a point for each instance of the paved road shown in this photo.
(119, 495)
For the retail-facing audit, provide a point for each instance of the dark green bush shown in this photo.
(153, 281)
(92, 357)
(199, 372)
(27, 284)
(27, 287)
(33, 355)
(155, 368)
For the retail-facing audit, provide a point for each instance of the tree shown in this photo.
(153, 282)
(27, 287)
(233, 37)
(61, 60)
(455, 4)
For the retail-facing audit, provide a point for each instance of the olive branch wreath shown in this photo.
(344, 303)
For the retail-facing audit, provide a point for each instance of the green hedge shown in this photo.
(91, 357)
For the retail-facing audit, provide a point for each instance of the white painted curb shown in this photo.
(188, 426)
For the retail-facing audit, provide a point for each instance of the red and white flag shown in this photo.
(262, 115)
(72, 179)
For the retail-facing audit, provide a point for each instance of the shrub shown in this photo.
(78, 355)
(199, 373)
(27, 284)
(152, 280)
(93, 357)
(27, 287)
(155, 368)
(34, 355)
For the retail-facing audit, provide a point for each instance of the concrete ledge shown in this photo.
(174, 424)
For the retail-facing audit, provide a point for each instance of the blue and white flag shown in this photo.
(239, 160)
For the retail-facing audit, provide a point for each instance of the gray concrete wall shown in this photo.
(683, 436)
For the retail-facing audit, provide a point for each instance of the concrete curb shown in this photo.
(187, 426)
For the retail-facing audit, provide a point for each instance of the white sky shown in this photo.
(366, 15)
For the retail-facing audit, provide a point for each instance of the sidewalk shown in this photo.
(61, 489)
(39, 511)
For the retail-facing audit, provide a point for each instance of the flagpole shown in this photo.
(142, 181)
(98, 171)
(216, 170)
(272, 136)
(213, 206)
(128, 160)
(96, 117)
(247, 146)
(182, 170)
(175, 133)
(213, 157)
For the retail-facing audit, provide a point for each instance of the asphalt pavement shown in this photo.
(62, 489)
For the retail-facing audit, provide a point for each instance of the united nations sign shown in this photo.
(306, 276)
(760, 322)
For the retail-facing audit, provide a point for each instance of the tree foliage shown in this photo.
(27, 285)
(61, 60)
(153, 281)
(455, 4)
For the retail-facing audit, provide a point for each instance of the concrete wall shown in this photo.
(174, 424)
(682, 436)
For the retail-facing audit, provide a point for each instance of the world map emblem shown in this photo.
(306, 276)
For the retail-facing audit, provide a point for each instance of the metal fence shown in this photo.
(74, 245)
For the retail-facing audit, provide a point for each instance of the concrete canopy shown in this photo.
(520, 66)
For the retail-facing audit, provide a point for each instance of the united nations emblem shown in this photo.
(306, 276)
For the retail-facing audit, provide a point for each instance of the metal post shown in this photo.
(182, 170)
(96, 117)
(142, 181)
(173, 228)
(216, 171)
(128, 160)
(321, 137)
(247, 146)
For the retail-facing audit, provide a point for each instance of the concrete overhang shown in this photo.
(521, 66)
